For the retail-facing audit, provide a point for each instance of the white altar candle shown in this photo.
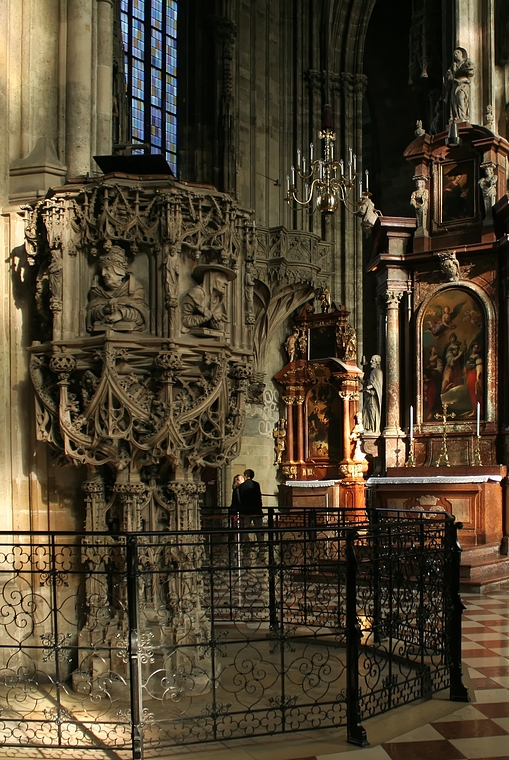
(478, 419)
(411, 423)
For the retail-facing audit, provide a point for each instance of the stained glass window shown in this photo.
(149, 34)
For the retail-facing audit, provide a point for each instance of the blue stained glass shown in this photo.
(139, 8)
(157, 13)
(157, 49)
(160, 89)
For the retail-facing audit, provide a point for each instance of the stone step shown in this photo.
(475, 554)
(480, 569)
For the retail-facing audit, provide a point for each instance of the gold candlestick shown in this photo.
(410, 462)
(444, 454)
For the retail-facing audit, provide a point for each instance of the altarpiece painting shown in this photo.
(324, 422)
(454, 355)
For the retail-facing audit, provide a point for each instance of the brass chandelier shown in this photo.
(327, 182)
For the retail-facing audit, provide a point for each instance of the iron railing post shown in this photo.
(458, 692)
(134, 646)
(273, 618)
(355, 732)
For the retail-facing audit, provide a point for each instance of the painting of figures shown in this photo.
(324, 423)
(458, 191)
(453, 355)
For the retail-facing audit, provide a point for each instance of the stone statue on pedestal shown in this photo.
(457, 85)
(420, 201)
(372, 410)
(488, 185)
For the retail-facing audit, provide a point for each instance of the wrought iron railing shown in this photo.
(134, 643)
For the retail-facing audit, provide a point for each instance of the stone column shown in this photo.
(79, 87)
(104, 75)
(392, 431)
(393, 297)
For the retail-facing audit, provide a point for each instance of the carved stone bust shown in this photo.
(204, 304)
(116, 300)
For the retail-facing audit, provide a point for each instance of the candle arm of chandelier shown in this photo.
(292, 195)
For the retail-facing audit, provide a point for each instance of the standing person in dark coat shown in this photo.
(250, 496)
(235, 505)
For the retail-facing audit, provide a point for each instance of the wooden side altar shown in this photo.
(318, 442)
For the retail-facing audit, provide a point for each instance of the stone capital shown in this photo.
(392, 298)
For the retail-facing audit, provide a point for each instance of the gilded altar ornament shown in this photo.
(356, 439)
(325, 300)
(279, 434)
(116, 300)
(292, 344)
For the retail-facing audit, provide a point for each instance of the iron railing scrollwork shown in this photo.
(139, 642)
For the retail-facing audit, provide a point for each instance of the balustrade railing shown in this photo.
(137, 642)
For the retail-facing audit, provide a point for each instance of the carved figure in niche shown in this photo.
(325, 300)
(356, 438)
(488, 185)
(368, 213)
(279, 434)
(116, 299)
(55, 279)
(372, 409)
(457, 85)
(449, 265)
(204, 305)
(292, 344)
(249, 281)
(420, 201)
